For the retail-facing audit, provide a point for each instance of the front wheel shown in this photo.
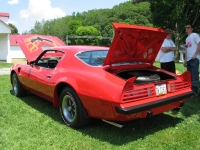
(17, 87)
(72, 110)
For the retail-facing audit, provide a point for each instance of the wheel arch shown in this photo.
(59, 87)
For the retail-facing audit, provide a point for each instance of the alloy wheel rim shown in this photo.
(69, 109)
(15, 86)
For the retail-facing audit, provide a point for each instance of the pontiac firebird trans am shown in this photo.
(116, 83)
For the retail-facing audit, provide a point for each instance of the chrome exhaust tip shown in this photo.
(113, 123)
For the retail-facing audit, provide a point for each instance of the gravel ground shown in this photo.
(4, 71)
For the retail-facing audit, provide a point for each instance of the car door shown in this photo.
(40, 81)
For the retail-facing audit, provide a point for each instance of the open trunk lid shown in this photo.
(133, 43)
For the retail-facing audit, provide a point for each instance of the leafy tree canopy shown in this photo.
(101, 19)
(87, 31)
(14, 30)
(175, 15)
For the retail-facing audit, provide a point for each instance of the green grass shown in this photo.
(179, 66)
(33, 123)
(5, 65)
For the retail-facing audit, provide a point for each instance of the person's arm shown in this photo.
(168, 49)
(197, 40)
(185, 60)
(197, 51)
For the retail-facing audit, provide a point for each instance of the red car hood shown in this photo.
(133, 43)
(31, 45)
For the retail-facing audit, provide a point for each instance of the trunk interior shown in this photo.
(145, 76)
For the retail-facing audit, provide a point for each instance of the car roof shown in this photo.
(78, 48)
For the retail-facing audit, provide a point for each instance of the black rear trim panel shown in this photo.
(147, 106)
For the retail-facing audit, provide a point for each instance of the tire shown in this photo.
(17, 87)
(72, 110)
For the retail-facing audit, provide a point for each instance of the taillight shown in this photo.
(177, 86)
(138, 94)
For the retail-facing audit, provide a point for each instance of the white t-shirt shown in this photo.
(168, 56)
(191, 44)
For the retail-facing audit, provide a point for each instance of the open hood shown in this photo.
(133, 43)
(31, 45)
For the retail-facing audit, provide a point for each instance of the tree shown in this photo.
(175, 15)
(139, 13)
(138, 1)
(98, 19)
(87, 31)
(101, 19)
(37, 29)
(14, 30)
(73, 25)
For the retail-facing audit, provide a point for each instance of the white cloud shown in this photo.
(13, 2)
(41, 9)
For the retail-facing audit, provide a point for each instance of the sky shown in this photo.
(24, 13)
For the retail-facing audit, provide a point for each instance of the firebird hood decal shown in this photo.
(31, 45)
(133, 43)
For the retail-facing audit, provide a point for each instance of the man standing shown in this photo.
(192, 51)
(167, 53)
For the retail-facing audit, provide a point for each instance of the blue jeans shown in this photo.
(192, 67)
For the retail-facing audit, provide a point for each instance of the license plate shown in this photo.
(161, 89)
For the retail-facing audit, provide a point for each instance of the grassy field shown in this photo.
(5, 65)
(179, 67)
(8, 65)
(33, 123)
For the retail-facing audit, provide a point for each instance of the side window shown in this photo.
(93, 58)
(49, 59)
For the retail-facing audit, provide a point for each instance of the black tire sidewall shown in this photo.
(21, 91)
(79, 108)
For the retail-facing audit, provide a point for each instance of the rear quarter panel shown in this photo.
(96, 88)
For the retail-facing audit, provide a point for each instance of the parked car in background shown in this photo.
(116, 83)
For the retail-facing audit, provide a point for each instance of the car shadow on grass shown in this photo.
(192, 107)
(42, 105)
(133, 130)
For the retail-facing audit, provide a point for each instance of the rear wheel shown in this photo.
(72, 110)
(17, 87)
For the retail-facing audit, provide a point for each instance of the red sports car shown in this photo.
(116, 83)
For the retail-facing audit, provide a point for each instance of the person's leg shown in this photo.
(172, 67)
(189, 69)
(163, 66)
(169, 66)
(194, 66)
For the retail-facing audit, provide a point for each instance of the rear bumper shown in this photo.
(148, 106)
